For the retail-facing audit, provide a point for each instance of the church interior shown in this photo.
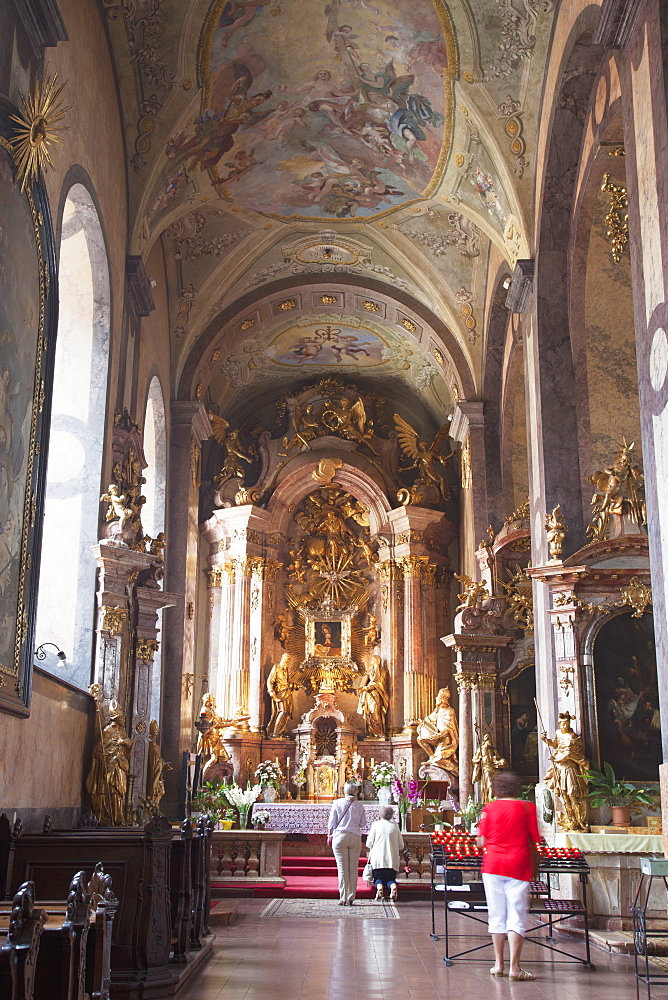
(338, 468)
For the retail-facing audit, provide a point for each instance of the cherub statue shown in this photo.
(235, 454)
(118, 509)
(556, 532)
(371, 632)
(156, 546)
(425, 457)
(283, 625)
(473, 593)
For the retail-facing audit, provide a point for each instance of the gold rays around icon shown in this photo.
(38, 128)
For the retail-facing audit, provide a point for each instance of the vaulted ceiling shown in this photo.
(305, 150)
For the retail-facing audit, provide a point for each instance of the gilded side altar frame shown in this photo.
(16, 673)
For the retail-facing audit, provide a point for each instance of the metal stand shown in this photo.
(468, 899)
(650, 868)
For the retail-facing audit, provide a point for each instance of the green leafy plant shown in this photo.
(211, 799)
(608, 790)
(470, 813)
(526, 792)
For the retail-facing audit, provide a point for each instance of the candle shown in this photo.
(277, 760)
(372, 763)
(362, 765)
(288, 764)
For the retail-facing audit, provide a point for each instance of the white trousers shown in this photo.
(507, 904)
(347, 848)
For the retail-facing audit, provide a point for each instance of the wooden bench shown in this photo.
(20, 935)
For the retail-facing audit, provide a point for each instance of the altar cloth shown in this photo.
(310, 817)
(611, 843)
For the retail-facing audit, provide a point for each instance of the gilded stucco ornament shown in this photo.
(617, 219)
(425, 458)
(556, 529)
(620, 493)
(638, 595)
(473, 593)
(38, 128)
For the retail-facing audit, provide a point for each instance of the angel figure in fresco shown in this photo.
(425, 457)
(235, 453)
(215, 130)
(237, 14)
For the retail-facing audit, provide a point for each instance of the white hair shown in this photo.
(350, 788)
(386, 812)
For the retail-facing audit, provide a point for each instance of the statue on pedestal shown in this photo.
(567, 776)
(438, 735)
(486, 764)
(107, 780)
(374, 699)
(210, 744)
(280, 692)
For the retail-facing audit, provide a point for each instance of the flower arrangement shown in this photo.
(269, 774)
(383, 775)
(470, 813)
(260, 817)
(241, 798)
(407, 794)
(299, 777)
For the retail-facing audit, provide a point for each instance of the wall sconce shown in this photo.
(40, 653)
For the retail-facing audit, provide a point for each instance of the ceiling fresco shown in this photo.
(357, 124)
(253, 123)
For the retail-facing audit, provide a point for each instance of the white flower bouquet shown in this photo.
(383, 775)
(269, 774)
(260, 817)
(240, 798)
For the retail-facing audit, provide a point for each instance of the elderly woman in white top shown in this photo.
(344, 833)
(383, 842)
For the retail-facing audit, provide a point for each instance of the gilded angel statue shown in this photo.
(426, 458)
(473, 593)
(349, 421)
(306, 427)
(235, 453)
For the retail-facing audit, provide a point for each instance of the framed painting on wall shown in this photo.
(28, 317)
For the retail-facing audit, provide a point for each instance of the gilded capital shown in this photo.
(146, 649)
(214, 577)
(414, 567)
(466, 681)
(389, 570)
(112, 620)
(487, 681)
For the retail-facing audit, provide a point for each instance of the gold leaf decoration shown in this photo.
(38, 128)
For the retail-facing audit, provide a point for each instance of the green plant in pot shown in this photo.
(210, 799)
(622, 796)
(470, 813)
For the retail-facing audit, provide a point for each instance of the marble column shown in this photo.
(390, 575)
(468, 427)
(419, 673)
(189, 427)
(644, 80)
(149, 600)
(466, 682)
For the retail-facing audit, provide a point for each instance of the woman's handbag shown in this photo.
(367, 874)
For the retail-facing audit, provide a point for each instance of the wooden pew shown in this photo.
(181, 893)
(20, 936)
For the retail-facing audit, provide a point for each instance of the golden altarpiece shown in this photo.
(328, 583)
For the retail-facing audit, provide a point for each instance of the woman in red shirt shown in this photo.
(507, 830)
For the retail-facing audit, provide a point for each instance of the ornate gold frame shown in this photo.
(16, 676)
(312, 619)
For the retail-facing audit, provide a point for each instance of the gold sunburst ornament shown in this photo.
(38, 129)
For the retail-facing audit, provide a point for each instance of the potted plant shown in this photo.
(268, 774)
(210, 799)
(470, 814)
(260, 818)
(622, 796)
(382, 776)
(228, 818)
(408, 799)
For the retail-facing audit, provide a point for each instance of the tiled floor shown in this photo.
(279, 958)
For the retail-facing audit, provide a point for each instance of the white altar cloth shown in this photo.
(309, 817)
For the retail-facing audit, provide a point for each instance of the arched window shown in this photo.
(153, 511)
(66, 601)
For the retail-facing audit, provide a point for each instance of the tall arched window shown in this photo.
(66, 602)
(153, 511)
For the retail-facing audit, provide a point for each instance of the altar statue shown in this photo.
(486, 764)
(567, 776)
(438, 735)
(374, 699)
(155, 782)
(210, 743)
(107, 779)
(280, 692)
